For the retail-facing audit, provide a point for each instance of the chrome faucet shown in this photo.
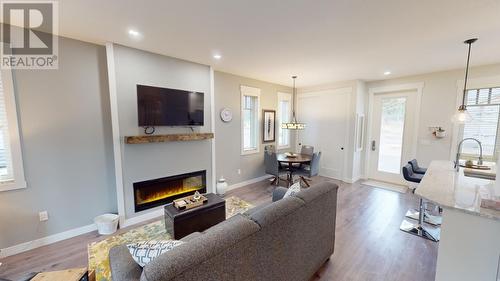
(480, 159)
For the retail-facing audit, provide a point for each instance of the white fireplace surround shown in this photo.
(118, 146)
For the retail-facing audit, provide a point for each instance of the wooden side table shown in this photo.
(182, 223)
(73, 274)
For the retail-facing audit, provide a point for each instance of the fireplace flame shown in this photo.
(148, 195)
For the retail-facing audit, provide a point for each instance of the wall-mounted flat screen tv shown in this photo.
(169, 107)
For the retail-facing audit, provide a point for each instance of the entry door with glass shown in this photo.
(391, 143)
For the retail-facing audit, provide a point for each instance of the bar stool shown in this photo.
(418, 228)
(416, 168)
(413, 213)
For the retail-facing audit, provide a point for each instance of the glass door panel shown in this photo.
(392, 125)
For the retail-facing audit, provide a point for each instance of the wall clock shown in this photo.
(226, 115)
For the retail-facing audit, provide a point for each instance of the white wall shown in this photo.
(439, 103)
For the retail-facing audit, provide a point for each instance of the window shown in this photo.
(250, 107)
(484, 107)
(11, 164)
(284, 116)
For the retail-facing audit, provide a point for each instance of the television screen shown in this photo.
(169, 107)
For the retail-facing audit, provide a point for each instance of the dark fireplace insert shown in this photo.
(152, 193)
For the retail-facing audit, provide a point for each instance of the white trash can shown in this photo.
(106, 224)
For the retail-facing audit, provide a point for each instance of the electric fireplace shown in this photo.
(156, 192)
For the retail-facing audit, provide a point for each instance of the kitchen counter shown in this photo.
(469, 248)
(446, 187)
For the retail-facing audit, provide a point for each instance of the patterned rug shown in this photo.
(98, 251)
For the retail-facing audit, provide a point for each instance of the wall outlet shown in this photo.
(239, 171)
(43, 215)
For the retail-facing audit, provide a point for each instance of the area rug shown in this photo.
(385, 185)
(98, 251)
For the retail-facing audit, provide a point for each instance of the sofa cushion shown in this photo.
(123, 267)
(191, 236)
(212, 242)
(315, 191)
(267, 215)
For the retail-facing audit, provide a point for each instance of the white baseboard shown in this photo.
(330, 177)
(354, 179)
(143, 218)
(247, 182)
(30, 245)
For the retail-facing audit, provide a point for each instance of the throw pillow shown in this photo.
(292, 190)
(145, 251)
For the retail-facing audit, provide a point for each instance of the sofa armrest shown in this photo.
(278, 193)
(123, 266)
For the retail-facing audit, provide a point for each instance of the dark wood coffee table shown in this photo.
(182, 223)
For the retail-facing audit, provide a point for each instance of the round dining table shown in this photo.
(297, 158)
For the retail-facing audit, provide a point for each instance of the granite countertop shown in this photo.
(443, 185)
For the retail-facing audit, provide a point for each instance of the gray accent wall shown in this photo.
(65, 127)
(156, 160)
(228, 135)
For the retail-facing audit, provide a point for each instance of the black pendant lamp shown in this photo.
(294, 125)
(462, 115)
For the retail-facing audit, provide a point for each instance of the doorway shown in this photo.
(393, 133)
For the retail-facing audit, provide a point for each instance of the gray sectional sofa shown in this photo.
(289, 239)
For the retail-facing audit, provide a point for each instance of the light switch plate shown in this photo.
(43, 215)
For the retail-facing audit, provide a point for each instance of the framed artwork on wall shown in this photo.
(269, 119)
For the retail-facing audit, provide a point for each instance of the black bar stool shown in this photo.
(413, 213)
(417, 169)
(418, 228)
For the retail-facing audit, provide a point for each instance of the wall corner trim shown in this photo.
(212, 121)
(115, 125)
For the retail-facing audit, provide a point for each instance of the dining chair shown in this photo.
(273, 167)
(311, 170)
(270, 148)
(307, 150)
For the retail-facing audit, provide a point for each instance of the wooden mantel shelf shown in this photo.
(168, 138)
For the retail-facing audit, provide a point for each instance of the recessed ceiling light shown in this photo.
(217, 56)
(133, 33)
(387, 73)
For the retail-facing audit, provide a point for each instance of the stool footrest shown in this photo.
(428, 218)
(429, 233)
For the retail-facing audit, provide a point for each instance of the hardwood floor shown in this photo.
(368, 242)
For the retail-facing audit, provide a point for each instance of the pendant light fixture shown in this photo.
(294, 125)
(462, 116)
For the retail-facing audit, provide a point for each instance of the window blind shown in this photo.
(484, 107)
(6, 171)
(284, 115)
(250, 123)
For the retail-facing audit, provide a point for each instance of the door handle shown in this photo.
(374, 147)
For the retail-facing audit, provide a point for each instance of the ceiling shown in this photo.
(320, 41)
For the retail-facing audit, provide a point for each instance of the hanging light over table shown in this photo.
(294, 124)
(462, 115)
